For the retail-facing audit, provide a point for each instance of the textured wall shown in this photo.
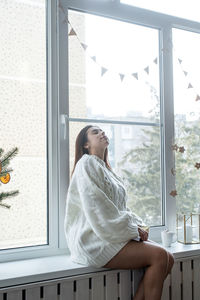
(23, 120)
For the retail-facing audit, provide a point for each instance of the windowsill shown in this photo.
(55, 267)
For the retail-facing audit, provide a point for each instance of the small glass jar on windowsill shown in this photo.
(188, 228)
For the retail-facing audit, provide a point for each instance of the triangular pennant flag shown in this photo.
(146, 70)
(103, 71)
(93, 58)
(197, 98)
(190, 86)
(84, 46)
(72, 32)
(185, 73)
(121, 76)
(135, 75)
(179, 60)
(155, 60)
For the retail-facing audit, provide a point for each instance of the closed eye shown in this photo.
(95, 131)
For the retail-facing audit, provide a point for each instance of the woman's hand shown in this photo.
(143, 234)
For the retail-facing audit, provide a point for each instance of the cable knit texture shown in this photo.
(97, 222)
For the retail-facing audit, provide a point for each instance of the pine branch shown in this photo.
(1, 151)
(4, 205)
(12, 153)
(4, 172)
(8, 194)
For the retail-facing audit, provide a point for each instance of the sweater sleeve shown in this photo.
(105, 219)
(138, 220)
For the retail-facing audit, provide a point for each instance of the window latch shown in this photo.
(63, 120)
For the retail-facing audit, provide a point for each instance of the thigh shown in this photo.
(136, 255)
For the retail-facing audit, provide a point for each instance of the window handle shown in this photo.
(64, 119)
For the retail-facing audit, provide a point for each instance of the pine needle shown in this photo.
(8, 194)
(4, 172)
(4, 205)
(1, 151)
(12, 153)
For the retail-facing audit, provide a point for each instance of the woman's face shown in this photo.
(96, 139)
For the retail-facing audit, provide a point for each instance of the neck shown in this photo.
(98, 153)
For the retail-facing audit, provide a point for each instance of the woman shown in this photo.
(100, 229)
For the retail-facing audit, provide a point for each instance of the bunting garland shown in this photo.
(135, 75)
(189, 85)
(103, 69)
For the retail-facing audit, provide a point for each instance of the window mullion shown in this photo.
(63, 132)
(168, 110)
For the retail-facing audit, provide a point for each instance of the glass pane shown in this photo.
(23, 121)
(187, 118)
(184, 9)
(134, 154)
(112, 73)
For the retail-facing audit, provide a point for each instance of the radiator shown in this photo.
(182, 284)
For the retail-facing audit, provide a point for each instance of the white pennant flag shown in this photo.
(103, 71)
(179, 60)
(185, 73)
(155, 60)
(84, 46)
(121, 76)
(146, 70)
(190, 86)
(135, 75)
(93, 58)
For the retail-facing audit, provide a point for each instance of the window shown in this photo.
(125, 100)
(111, 65)
(187, 113)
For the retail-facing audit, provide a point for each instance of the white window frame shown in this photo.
(164, 23)
(56, 167)
(58, 121)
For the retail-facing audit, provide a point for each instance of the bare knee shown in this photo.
(161, 258)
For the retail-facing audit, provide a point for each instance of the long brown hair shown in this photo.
(80, 150)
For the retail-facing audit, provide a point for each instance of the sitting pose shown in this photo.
(100, 229)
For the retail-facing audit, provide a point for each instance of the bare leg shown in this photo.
(140, 291)
(144, 254)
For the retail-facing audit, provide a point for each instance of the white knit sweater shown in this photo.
(97, 222)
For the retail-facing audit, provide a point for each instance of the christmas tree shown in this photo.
(5, 175)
